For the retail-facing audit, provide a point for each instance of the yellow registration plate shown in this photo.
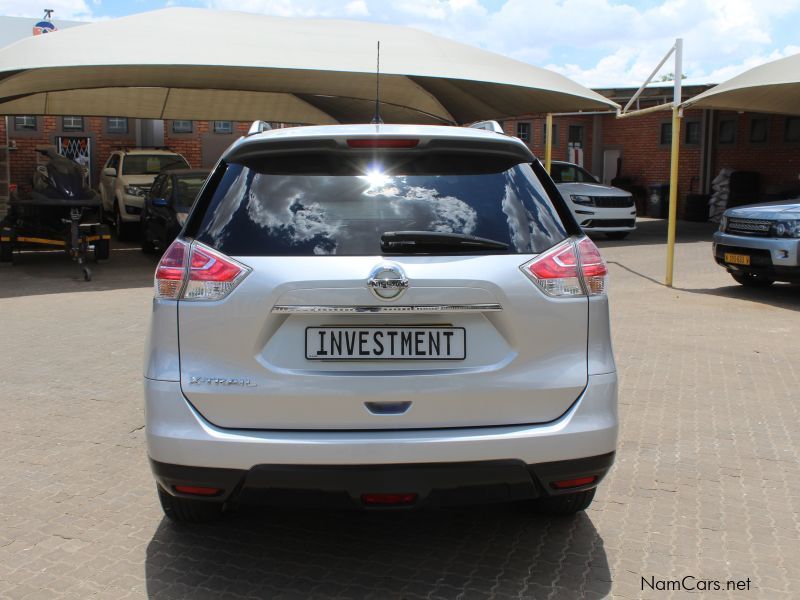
(737, 259)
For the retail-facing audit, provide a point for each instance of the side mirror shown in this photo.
(160, 202)
(110, 171)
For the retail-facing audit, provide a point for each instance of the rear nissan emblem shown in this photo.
(387, 282)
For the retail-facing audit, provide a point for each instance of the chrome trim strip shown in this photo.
(416, 308)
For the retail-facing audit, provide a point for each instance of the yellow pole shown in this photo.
(673, 192)
(548, 146)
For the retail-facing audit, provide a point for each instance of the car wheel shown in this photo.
(617, 235)
(752, 280)
(186, 510)
(564, 505)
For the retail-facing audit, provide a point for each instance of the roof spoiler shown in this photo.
(492, 126)
(258, 127)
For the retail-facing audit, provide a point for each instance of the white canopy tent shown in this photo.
(186, 63)
(773, 87)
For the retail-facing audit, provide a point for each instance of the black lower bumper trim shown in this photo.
(440, 484)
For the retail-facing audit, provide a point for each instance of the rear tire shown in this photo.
(565, 505)
(752, 280)
(617, 235)
(6, 252)
(186, 510)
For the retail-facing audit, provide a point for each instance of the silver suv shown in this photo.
(379, 316)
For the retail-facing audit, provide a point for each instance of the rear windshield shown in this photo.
(151, 164)
(258, 213)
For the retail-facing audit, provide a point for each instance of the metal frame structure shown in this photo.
(677, 115)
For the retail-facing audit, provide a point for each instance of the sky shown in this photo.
(599, 43)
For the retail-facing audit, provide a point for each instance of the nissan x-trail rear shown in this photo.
(378, 317)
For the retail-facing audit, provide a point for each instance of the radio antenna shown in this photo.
(377, 118)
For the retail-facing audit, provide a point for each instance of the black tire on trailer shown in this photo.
(186, 510)
(565, 505)
(752, 280)
(6, 252)
(102, 249)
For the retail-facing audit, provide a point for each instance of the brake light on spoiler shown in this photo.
(193, 271)
(382, 143)
(572, 268)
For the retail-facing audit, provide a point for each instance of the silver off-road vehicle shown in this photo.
(379, 316)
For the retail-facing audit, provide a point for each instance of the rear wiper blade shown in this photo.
(436, 241)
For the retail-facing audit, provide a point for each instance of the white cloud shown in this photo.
(356, 8)
(63, 9)
(595, 42)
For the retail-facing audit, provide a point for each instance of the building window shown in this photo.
(759, 127)
(524, 131)
(665, 139)
(791, 133)
(223, 126)
(117, 125)
(25, 123)
(575, 134)
(181, 127)
(72, 123)
(555, 133)
(727, 131)
(692, 135)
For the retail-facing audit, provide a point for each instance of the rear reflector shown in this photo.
(573, 483)
(593, 267)
(197, 490)
(382, 143)
(388, 499)
(205, 275)
(572, 268)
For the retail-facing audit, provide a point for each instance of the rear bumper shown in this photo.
(431, 484)
(178, 435)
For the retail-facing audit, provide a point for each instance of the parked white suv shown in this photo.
(598, 208)
(125, 180)
(379, 316)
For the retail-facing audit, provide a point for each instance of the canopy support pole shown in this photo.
(674, 159)
(548, 146)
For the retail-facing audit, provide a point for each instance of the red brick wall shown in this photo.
(644, 159)
(776, 160)
(190, 145)
(23, 158)
(647, 162)
(560, 146)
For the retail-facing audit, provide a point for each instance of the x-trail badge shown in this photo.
(387, 282)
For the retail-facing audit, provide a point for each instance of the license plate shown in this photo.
(737, 259)
(386, 343)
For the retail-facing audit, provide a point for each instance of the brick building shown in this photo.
(636, 150)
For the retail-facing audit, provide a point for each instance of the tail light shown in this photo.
(196, 272)
(572, 268)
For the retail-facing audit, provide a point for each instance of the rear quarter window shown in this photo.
(254, 212)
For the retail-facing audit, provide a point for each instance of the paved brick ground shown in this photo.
(707, 481)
